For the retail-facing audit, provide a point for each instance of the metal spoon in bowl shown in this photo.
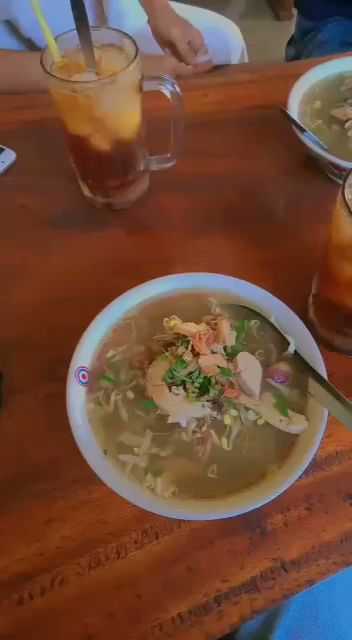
(85, 37)
(322, 390)
(308, 134)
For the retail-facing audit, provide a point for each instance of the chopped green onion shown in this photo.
(204, 386)
(195, 377)
(225, 372)
(232, 352)
(241, 330)
(108, 378)
(180, 364)
(215, 391)
(175, 374)
(149, 405)
(281, 404)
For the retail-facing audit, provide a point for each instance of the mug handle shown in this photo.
(169, 88)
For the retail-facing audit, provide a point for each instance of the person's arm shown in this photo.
(174, 33)
(167, 64)
(20, 72)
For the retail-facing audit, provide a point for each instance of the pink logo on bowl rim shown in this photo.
(82, 376)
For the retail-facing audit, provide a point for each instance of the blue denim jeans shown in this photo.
(313, 39)
(321, 613)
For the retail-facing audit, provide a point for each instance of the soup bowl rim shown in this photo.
(76, 397)
(305, 82)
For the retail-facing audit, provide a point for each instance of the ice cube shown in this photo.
(112, 59)
(100, 141)
(84, 76)
(127, 121)
(79, 125)
(120, 108)
(67, 67)
(76, 112)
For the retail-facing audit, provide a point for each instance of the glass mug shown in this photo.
(330, 303)
(102, 115)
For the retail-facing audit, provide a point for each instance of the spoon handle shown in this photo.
(83, 29)
(294, 122)
(322, 390)
(308, 134)
(327, 395)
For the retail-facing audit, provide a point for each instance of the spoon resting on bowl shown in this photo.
(322, 390)
(308, 134)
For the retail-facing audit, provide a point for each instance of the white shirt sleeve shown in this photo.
(127, 15)
(5, 10)
(58, 15)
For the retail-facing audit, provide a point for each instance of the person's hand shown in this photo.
(178, 36)
(169, 65)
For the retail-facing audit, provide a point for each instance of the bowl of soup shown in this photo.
(322, 100)
(187, 405)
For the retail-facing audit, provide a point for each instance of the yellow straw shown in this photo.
(48, 35)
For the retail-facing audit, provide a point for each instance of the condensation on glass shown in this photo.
(330, 304)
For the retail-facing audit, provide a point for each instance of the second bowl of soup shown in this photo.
(188, 406)
(322, 100)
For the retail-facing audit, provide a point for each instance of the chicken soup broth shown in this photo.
(194, 399)
(326, 110)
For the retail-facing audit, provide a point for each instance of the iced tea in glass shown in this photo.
(102, 115)
(330, 304)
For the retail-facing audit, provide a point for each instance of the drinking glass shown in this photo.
(330, 303)
(102, 115)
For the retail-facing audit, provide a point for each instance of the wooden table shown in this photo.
(76, 561)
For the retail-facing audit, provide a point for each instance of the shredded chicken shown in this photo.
(203, 341)
(130, 439)
(225, 335)
(121, 408)
(203, 445)
(188, 329)
(127, 458)
(342, 113)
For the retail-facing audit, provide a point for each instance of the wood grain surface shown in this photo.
(77, 561)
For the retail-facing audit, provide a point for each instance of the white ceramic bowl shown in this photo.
(332, 165)
(302, 453)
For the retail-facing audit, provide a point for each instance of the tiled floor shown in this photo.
(266, 37)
